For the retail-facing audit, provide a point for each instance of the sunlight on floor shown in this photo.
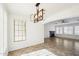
(43, 52)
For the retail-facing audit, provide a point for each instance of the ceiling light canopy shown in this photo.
(37, 4)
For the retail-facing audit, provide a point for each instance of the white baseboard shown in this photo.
(30, 44)
(3, 53)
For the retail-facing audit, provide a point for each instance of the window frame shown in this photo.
(76, 30)
(20, 30)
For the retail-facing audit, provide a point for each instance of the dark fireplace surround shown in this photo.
(52, 33)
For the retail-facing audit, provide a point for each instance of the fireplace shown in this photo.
(52, 33)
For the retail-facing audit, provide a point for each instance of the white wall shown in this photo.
(34, 33)
(3, 31)
(48, 27)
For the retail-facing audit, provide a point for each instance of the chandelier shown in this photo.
(38, 16)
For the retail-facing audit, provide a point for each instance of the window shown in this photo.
(68, 30)
(19, 30)
(60, 30)
(76, 30)
(57, 30)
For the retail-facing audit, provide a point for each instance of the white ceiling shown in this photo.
(29, 8)
(20, 8)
